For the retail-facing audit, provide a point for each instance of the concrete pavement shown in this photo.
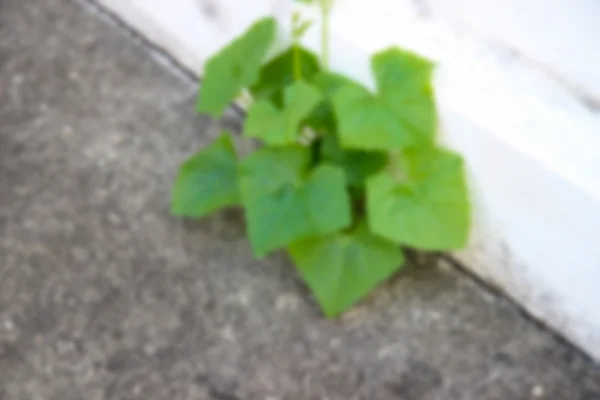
(104, 295)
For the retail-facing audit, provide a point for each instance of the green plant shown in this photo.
(345, 176)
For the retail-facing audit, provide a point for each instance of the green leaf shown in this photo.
(343, 268)
(285, 202)
(235, 67)
(405, 82)
(279, 73)
(207, 181)
(426, 208)
(322, 119)
(400, 115)
(358, 165)
(281, 126)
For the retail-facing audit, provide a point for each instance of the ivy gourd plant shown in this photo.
(344, 199)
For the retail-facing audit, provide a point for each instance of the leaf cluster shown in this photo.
(344, 177)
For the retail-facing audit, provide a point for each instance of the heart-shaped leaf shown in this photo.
(235, 67)
(425, 204)
(281, 126)
(400, 115)
(207, 181)
(285, 202)
(343, 268)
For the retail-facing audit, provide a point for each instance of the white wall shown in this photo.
(533, 148)
(560, 36)
(192, 30)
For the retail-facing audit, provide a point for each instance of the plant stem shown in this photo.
(326, 6)
(297, 62)
(296, 36)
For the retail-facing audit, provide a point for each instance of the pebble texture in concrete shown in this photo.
(104, 295)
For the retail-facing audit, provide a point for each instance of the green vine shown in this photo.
(345, 200)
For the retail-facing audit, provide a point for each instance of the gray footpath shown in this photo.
(104, 295)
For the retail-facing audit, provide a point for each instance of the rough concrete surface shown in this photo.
(104, 295)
